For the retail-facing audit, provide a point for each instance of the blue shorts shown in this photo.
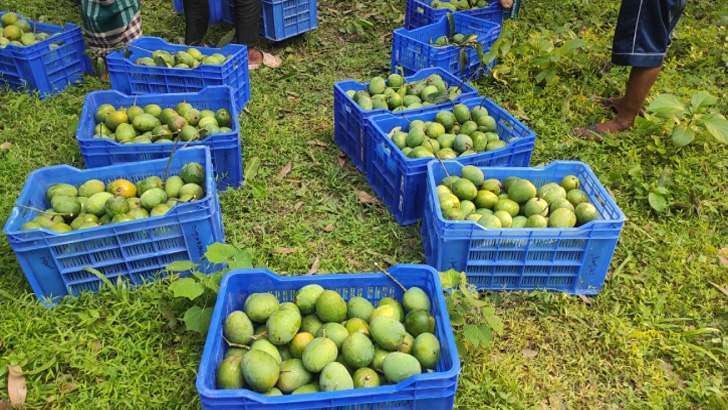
(643, 32)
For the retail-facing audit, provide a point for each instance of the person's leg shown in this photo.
(247, 21)
(197, 17)
(641, 39)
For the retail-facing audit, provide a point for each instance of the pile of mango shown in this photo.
(322, 343)
(152, 124)
(95, 203)
(514, 202)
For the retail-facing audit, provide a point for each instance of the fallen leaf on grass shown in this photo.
(529, 353)
(285, 170)
(724, 290)
(96, 346)
(314, 266)
(16, 386)
(723, 256)
(5, 146)
(68, 387)
(366, 198)
(5, 405)
(329, 228)
(319, 143)
(286, 251)
(585, 299)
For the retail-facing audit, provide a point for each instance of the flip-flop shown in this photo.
(590, 133)
(609, 104)
(269, 60)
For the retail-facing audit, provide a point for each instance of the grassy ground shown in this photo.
(655, 336)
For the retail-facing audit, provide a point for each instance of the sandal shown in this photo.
(590, 133)
(609, 104)
(269, 60)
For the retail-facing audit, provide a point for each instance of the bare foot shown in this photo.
(598, 131)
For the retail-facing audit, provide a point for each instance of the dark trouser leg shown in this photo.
(247, 19)
(197, 17)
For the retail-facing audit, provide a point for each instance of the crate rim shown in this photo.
(488, 26)
(425, 160)
(431, 187)
(423, 73)
(341, 394)
(235, 122)
(14, 213)
(238, 48)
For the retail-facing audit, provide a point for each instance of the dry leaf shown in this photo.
(340, 161)
(341, 154)
(295, 181)
(247, 111)
(285, 251)
(529, 353)
(319, 143)
(394, 131)
(5, 146)
(723, 256)
(329, 228)
(5, 405)
(585, 299)
(16, 386)
(68, 387)
(314, 266)
(724, 290)
(285, 170)
(366, 198)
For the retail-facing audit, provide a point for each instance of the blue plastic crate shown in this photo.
(218, 10)
(400, 182)
(135, 251)
(422, 391)
(279, 19)
(39, 68)
(224, 147)
(570, 260)
(132, 79)
(412, 49)
(351, 122)
(418, 13)
(282, 19)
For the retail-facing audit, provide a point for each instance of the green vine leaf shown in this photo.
(667, 106)
(187, 288)
(657, 201)
(717, 126)
(700, 101)
(472, 335)
(198, 319)
(220, 252)
(180, 266)
(682, 135)
(495, 323)
(450, 279)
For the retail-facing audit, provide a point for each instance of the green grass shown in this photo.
(654, 337)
